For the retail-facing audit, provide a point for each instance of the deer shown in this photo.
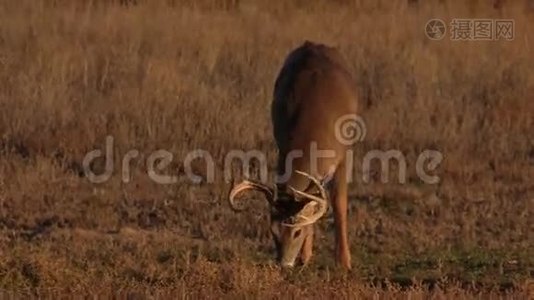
(312, 91)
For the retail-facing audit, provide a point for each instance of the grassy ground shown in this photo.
(180, 76)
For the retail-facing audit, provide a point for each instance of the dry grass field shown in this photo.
(189, 75)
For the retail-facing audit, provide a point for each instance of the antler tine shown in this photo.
(247, 185)
(317, 183)
(321, 201)
(306, 195)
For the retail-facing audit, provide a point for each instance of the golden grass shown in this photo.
(185, 75)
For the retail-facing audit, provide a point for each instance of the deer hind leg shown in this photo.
(339, 204)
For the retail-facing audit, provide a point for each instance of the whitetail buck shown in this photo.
(312, 91)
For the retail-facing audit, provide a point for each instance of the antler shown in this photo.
(302, 218)
(249, 184)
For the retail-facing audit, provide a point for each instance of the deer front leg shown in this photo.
(339, 203)
(307, 248)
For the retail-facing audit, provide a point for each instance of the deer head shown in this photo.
(293, 213)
